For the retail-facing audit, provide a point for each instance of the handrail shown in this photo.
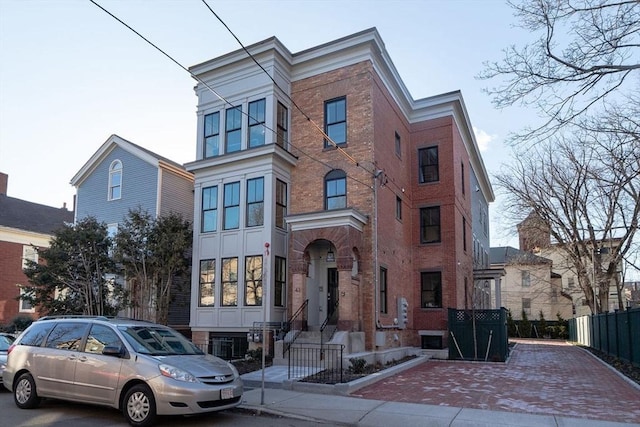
(331, 320)
(292, 330)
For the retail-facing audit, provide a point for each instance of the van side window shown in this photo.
(66, 336)
(100, 337)
(36, 334)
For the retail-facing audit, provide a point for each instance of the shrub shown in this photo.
(358, 365)
(19, 323)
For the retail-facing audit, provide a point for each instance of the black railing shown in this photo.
(330, 325)
(295, 325)
(316, 363)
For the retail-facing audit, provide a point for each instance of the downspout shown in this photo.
(376, 264)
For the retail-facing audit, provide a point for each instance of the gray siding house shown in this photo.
(121, 176)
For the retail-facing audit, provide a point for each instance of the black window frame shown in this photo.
(282, 125)
(211, 208)
(431, 289)
(383, 290)
(232, 205)
(208, 268)
(207, 135)
(335, 176)
(257, 282)
(428, 217)
(331, 122)
(229, 282)
(281, 204)
(280, 282)
(428, 165)
(398, 145)
(233, 126)
(255, 202)
(256, 121)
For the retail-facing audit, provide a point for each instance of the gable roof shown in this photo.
(505, 255)
(142, 153)
(29, 216)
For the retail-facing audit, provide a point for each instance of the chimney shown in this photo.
(4, 180)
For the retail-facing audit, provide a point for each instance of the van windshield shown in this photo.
(158, 341)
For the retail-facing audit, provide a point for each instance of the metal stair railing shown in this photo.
(330, 325)
(296, 324)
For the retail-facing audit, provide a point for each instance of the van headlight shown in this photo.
(176, 374)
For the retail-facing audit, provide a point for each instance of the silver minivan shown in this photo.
(141, 368)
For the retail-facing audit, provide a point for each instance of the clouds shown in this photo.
(483, 138)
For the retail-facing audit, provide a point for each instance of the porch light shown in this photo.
(331, 256)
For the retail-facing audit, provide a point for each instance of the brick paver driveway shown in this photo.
(540, 377)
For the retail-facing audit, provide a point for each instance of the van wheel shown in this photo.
(139, 406)
(24, 392)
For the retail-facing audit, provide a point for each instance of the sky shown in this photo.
(71, 75)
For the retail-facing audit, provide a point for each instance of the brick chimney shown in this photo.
(4, 180)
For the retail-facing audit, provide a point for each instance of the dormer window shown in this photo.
(115, 180)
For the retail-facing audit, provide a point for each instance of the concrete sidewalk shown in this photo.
(352, 411)
(544, 383)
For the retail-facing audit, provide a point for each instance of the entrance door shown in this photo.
(332, 291)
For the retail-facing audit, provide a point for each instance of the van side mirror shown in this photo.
(113, 350)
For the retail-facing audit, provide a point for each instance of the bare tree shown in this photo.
(585, 189)
(584, 60)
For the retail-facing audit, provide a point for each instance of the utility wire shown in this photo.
(222, 98)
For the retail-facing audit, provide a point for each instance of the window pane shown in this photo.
(335, 190)
(207, 282)
(212, 146)
(430, 224)
(335, 121)
(230, 282)
(232, 205)
(337, 133)
(281, 203)
(209, 209)
(253, 280)
(234, 141)
(66, 336)
(280, 282)
(428, 169)
(283, 125)
(431, 290)
(256, 136)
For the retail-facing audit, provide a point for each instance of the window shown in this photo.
(398, 145)
(255, 202)
(283, 126)
(207, 283)
(115, 180)
(256, 123)
(430, 224)
(335, 121)
(526, 278)
(428, 164)
(280, 282)
(66, 336)
(462, 176)
(231, 205)
(209, 209)
(211, 135)
(383, 290)
(431, 289)
(29, 253)
(233, 123)
(335, 190)
(398, 207)
(526, 306)
(571, 282)
(230, 282)
(281, 204)
(100, 337)
(253, 280)
(464, 234)
(36, 334)
(25, 305)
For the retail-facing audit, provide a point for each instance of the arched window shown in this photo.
(335, 190)
(115, 180)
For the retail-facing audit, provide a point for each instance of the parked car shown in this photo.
(5, 342)
(141, 368)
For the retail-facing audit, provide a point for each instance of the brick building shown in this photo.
(378, 228)
(23, 226)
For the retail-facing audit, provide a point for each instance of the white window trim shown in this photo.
(21, 301)
(111, 173)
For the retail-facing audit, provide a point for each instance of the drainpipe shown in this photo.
(376, 265)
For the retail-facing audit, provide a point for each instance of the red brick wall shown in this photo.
(373, 118)
(10, 275)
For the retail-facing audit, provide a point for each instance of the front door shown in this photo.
(332, 291)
